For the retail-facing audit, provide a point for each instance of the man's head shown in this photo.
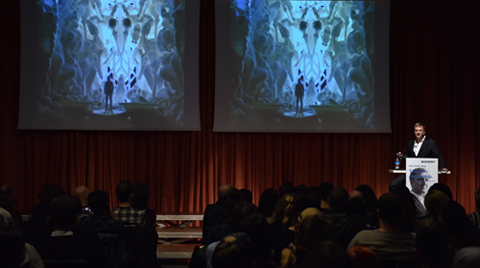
(338, 198)
(99, 202)
(419, 130)
(390, 208)
(82, 194)
(124, 191)
(225, 191)
(64, 211)
(418, 179)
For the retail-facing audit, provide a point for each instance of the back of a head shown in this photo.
(6, 220)
(99, 202)
(267, 201)
(324, 189)
(301, 202)
(49, 192)
(369, 196)
(454, 220)
(124, 191)
(327, 254)
(12, 248)
(244, 195)
(435, 201)
(225, 191)
(64, 211)
(338, 198)
(286, 188)
(141, 194)
(82, 192)
(309, 228)
(442, 187)
(363, 257)
(240, 211)
(233, 251)
(432, 246)
(283, 211)
(258, 230)
(8, 189)
(390, 208)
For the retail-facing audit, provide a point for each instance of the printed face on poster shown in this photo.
(421, 174)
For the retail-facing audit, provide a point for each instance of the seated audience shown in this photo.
(309, 232)
(435, 200)
(101, 220)
(281, 225)
(475, 216)
(431, 247)
(128, 215)
(363, 257)
(220, 211)
(324, 189)
(37, 225)
(141, 195)
(267, 201)
(462, 236)
(12, 249)
(81, 192)
(30, 256)
(327, 254)
(340, 226)
(393, 246)
(64, 243)
(233, 251)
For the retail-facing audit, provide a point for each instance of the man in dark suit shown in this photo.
(421, 146)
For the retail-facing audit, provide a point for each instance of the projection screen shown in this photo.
(109, 65)
(302, 66)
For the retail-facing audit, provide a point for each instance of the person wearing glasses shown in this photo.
(419, 181)
(421, 146)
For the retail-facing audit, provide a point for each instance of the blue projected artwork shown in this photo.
(301, 61)
(110, 62)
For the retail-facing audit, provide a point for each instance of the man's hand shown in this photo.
(399, 154)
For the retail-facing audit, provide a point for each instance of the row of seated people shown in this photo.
(328, 227)
(292, 227)
(82, 229)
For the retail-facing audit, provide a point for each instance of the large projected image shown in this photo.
(297, 66)
(105, 64)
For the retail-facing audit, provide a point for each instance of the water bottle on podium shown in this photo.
(397, 163)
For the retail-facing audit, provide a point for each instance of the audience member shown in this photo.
(217, 233)
(475, 216)
(30, 256)
(12, 249)
(267, 202)
(240, 211)
(124, 212)
(101, 220)
(363, 257)
(233, 251)
(442, 187)
(141, 195)
(409, 219)
(327, 254)
(431, 247)
(37, 225)
(434, 202)
(393, 247)
(286, 188)
(301, 202)
(370, 197)
(81, 192)
(281, 225)
(258, 230)
(324, 189)
(64, 243)
(341, 227)
(462, 237)
(244, 195)
(220, 211)
(309, 232)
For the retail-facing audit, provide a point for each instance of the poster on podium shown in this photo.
(422, 173)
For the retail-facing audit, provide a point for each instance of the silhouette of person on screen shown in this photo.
(108, 90)
(299, 90)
